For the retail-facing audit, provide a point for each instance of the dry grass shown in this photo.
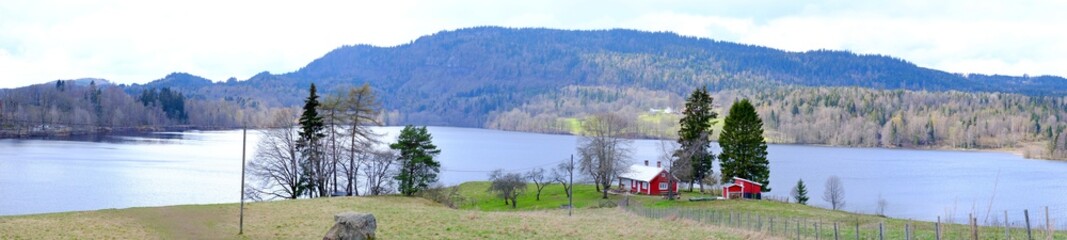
(398, 218)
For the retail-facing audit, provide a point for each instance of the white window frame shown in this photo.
(662, 186)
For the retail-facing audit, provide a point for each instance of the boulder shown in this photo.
(351, 226)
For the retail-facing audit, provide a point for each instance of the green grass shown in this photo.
(552, 197)
(573, 124)
(481, 216)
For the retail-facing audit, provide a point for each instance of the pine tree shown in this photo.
(744, 151)
(800, 192)
(694, 136)
(418, 169)
(311, 134)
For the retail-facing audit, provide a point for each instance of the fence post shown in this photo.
(759, 223)
(835, 232)
(907, 233)
(816, 230)
(970, 224)
(974, 228)
(798, 229)
(785, 227)
(857, 230)
(937, 228)
(1048, 225)
(1029, 233)
(881, 231)
(1007, 234)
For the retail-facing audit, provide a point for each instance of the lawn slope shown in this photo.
(398, 218)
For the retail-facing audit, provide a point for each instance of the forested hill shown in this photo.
(545, 56)
(461, 77)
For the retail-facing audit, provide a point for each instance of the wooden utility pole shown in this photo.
(570, 188)
(244, 142)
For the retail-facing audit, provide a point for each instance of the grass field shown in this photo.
(398, 218)
(586, 196)
(481, 216)
(552, 197)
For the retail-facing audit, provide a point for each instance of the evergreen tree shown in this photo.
(744, 151)
(94, 98)
(694, 136)
(311, 134)
(418, 169)
(800, 192)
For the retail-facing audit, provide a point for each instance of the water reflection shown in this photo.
(39, 175)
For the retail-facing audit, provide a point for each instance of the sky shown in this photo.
(137, 41)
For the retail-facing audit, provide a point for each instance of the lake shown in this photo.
(41, 176)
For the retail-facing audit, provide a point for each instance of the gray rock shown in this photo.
(351, 226)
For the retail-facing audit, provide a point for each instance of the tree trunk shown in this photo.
(606, 190)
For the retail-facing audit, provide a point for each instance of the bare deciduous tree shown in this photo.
(277, 160)
(674, 165)
(360, 109)
(537, 176)
(603, 149)
(834, 193)
(378, 169)
(562, 174)
(507, 185)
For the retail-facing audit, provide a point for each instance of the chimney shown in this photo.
(646, 162)
(657, 164)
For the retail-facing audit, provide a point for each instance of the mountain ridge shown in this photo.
(460, 77)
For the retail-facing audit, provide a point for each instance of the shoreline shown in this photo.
(103, 132)
(1016, 152)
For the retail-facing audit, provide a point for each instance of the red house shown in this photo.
(647, 180)
(742, 188)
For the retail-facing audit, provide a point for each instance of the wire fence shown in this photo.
(791, 227)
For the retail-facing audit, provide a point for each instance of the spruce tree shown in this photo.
(694, 136)
(800, 192)
(311, 134)
(744, 151)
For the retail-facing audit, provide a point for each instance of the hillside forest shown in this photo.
(546, 80)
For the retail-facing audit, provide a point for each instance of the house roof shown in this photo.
(641, 173)
(749, 181)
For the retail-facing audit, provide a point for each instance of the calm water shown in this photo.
(39, 176)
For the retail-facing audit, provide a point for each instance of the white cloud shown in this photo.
(138, 41)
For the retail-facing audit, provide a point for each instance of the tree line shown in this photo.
(69, 107)
(840, 116)
(329, 148)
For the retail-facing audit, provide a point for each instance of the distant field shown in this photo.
(398, 218)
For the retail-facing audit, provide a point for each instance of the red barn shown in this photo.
(742, 188)
(647, 180)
